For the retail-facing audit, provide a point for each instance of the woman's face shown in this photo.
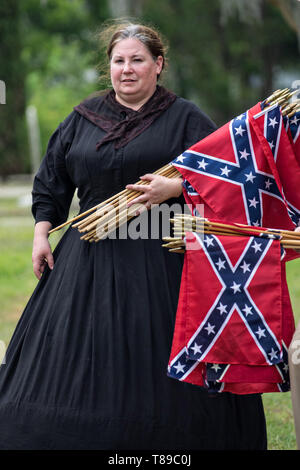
(133, 72)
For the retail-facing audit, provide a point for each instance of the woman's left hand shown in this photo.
(159, 189)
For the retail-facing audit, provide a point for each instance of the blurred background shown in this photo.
(224, 55)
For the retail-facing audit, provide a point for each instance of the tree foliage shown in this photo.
(224, 63)
(46, 47)
(224, 66)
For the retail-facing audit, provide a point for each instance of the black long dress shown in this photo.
(86, 367)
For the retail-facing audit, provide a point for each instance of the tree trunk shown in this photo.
(13, 139)
(290, 11)
(267, 57)
(121, 8)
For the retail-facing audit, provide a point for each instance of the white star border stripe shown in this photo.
(191, 365)
(275, 132)
(234, 306)
(297, 135)
(220, 375)
(275, 135)
(282, 367)
(231, 166)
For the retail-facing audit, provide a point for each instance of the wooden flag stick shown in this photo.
(106, 217)
(118, 201)
(125, 216)
(107, 214)
(113, 203)
(161, 171)
(276, 94)
(118, 213)
(193, 225)
(288, 244)
(294, 111)
(241, 227)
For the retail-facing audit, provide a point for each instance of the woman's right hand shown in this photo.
(41, 251)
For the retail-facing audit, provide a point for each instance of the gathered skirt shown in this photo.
(86, 367)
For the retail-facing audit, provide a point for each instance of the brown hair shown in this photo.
(111, 34)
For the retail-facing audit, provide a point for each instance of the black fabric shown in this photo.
(134, 122)
(86, 366)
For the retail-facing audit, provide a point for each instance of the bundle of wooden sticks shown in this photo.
(104, 218)
(282, 97)
(183, 223)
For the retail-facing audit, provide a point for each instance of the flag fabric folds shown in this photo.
(236, 338)
(244, 171)
(273, 129)
(232, 326)
(293, 130)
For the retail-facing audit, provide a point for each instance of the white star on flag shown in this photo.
(253, 202)
(225, 171)
(250, 176)
(247, 310)
(256, 246)
(239, 130)
(273, 354)
(222, 308)
(286, 367)
(260, 332)
(244, 154)
(210, 329)
(216, 367)
(202, 164)
(220, 264)
(209, 241)
(245, 267)
(196, 348)
(268, 183)
(180, 158)
(295, 120)
(179, 368)
(271, 144)
(235, 287)
(273, 122)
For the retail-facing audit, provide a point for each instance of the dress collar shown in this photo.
(127, 123)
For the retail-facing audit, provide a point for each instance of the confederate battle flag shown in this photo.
(233, 325)
(234, 320)
(245, 172)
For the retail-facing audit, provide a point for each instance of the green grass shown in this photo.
(278, 407)
(280, 421)
(17, 282)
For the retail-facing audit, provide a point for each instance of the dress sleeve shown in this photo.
(53, 189)
(198, 126)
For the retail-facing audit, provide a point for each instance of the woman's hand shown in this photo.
(159, 189)
(41, 251)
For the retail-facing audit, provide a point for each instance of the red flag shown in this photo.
(271, 130)
(293, 129)
(245, 172)
(234, 174)
(232, 326)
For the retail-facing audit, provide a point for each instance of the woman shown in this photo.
(87, 365)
